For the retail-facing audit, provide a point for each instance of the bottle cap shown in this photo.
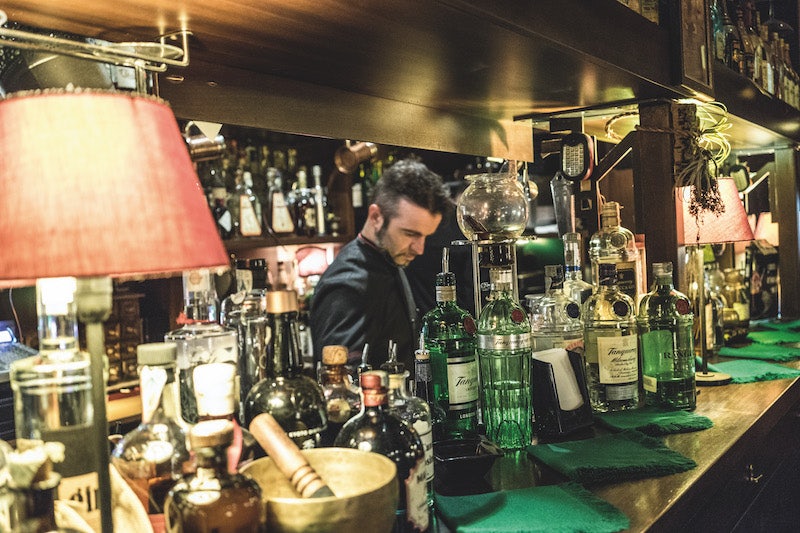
(334, 355)
(211, 433)
(214, 388)
(374, 379)
(156, 353)
(397, 381)
(281, 302)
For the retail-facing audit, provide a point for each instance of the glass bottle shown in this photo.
(212, 499)
(222, 215)
(504, 353)
(449, 335)
(246, 311)
(342, 397)
(610, 345)
(319, 199)
(574, 286)
(376, 429)
(736, 314)
(423, 388)
(248, 206)
(665, 324)
(292, 398)
(279, 219)
(200, 339)
(304, 207)
(413, 411)
(152, 457)
(555, 318)
(53, 394)
(616, 245)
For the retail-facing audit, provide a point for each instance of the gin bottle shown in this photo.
(376, 429)
(449, 335)
(665, 339)
(292, 398)
(342, 397)
(555, 318)
(610, 344)
(153, 457)
(212, 499)
(248, 206)
(614, 244)
(504, 352)
(413, 410)
(574, 286)
(200, 339)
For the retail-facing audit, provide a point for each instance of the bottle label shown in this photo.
(618, 358)
(281, 219)
(425, 431)
(225, 221)
(83, 492)
(358, 195)
(249, 226)
(446, 293)
(462, 381)
(152, 381)
(626, 277)
(504, 342)
(417, 497)
(244, 280)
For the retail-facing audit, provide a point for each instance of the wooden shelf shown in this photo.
(235, 245)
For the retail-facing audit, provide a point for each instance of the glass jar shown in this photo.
(493, 207)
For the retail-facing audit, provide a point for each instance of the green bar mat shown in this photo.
(755, 350)
(776, 324)
(774, 336)
(654, 422)
(548, 509)
(612, 458)
(748, 371)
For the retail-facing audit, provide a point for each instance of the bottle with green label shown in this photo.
(665, 339)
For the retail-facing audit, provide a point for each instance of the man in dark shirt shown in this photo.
(364, 296)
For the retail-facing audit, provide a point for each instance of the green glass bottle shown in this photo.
(449, 335)
(665, 339)
(504, 352)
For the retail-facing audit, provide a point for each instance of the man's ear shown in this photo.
(374, 216)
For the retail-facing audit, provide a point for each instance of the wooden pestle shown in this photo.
(287, 457)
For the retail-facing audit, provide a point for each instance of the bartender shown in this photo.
(364, 297)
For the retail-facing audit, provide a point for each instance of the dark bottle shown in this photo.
(376, 429)
(342, 398)
(222, 215)
(212, 500)
(304, 207)
(292, 398)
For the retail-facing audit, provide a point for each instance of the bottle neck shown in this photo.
(397, 387)
(160, 393)
(445, 294)
(284, 347)
(334, 375)
(376, 399)
(199, 297)
(423, 385)
(56, 311)
(212, 462)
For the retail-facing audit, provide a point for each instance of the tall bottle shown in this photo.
(423, 388)
(574, 286)
(504, 353)
(304, 207)
(614, 244)
(200, 339)
(342, 397)
(279, 219)
(413, 410)
(555, 318)
(53, 394)
(319, 200)
(248, 206)
(449, 335)
(212, 499)
(665, 324)
(376, 429)
(292, 398)
(222, 216)
(153, 457)
(610, 344)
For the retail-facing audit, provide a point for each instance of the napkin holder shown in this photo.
(558, 371)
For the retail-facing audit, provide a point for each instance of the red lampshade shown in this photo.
(98, 184)
(729, 226)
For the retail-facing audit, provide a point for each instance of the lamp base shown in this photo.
(711, 379)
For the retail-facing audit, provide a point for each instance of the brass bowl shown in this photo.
(365, 485)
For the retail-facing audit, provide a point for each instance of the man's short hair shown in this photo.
(412, 180)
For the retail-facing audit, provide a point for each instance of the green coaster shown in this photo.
(654, 422)
(768, 352)
(748, 371)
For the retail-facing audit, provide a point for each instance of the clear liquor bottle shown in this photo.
(246, 311)
(200, 339)
(376, 429)
(319, 200)
(574, 286)
(212, 499)
(413, 410)
(342, 397)
(292, 398)
(423, 388)
(504, 353)
(153, 457)
(279, 218)
(449, 335)
(249, 207)
(556, 318)
(304, 207)
(610, 345)
(614, 244)
(53, 394)
(665, 324)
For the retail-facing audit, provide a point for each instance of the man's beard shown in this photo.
(379, 235)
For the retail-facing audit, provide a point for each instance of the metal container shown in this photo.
(365, 485)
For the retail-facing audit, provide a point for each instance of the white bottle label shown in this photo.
(462, 381)
(244, 280)
(358, 195)
(281, 219)
(425, 432)
(249, 225)
(618, 358)
(225, 221)
(417, 497)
